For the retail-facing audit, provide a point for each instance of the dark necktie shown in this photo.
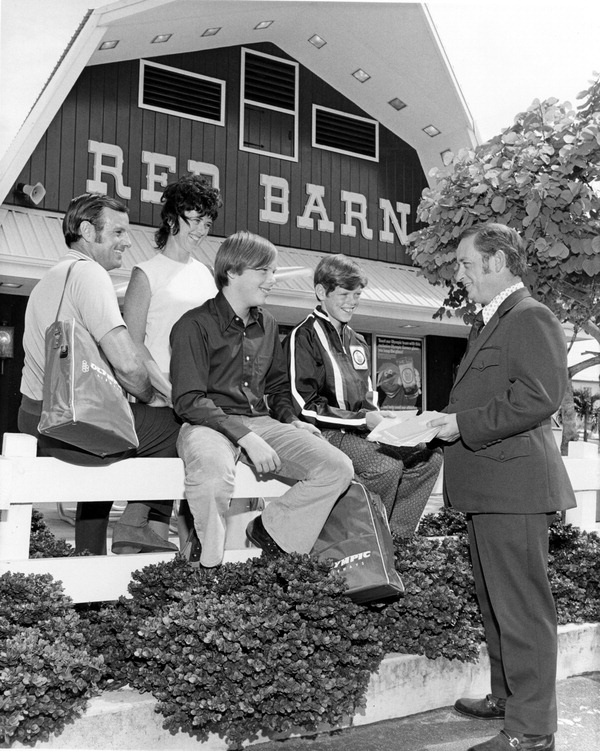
(478, 324)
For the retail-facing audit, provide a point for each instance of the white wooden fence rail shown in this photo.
(26, 479)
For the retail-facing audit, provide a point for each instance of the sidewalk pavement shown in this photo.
(445, 730)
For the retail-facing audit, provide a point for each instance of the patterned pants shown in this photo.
(403, 477)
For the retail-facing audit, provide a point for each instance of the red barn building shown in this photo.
(318, 121)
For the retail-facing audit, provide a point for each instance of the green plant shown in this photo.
(538, 176)
(587, 406)
(34, 600)
(264, 646)
(447, 521)
(43, 543)
(111, 630)
(46, 671)
(574, 571)
(573, 568)
(438, 614)
(45, 681)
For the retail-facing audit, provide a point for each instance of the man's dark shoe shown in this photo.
(489, 708)
(259, 536)
(505, 741)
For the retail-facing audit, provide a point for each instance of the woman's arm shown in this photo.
(135, 314)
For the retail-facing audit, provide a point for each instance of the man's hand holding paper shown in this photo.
(407, 430)
(447, 426)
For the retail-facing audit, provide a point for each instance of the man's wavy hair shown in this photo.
(339, 271)
(88, 207)
(491, 237)
(189, 193)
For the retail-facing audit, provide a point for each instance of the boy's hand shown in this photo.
(263, 457)
(372, 419)
(308, 427)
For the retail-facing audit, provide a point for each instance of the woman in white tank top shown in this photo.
(165, 287)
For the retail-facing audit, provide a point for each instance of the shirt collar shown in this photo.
(74, 253)
(488, 310)
(228, 316)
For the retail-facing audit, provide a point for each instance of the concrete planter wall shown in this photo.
(404, 685)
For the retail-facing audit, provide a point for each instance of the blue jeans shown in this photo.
(296, 518)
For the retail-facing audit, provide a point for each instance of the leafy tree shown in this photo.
(587, 406)
(539, 177)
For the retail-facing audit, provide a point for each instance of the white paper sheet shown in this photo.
(403, 431)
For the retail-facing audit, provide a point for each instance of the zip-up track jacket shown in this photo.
(330, 374)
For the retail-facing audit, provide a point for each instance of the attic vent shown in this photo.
(179, 92)
(270, 81)
(346, 134)
(269, 107)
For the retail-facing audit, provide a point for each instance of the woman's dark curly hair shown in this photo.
(189, 193)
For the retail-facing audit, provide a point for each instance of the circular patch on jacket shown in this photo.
(359, 358)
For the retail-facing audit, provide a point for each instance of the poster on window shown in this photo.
(398, 370)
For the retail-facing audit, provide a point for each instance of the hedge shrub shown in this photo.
(438, 615)
(261, 646)
(269, 646)
(43, 543)
(45, 682)
(46, 672)
(573, 564)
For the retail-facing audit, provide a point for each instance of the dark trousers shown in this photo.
(157, 430)
(510, 566)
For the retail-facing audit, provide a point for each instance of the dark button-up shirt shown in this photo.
(221, 368)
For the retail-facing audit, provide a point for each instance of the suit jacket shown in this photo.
(508, 385)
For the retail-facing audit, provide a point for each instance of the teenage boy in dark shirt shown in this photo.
(226, 362)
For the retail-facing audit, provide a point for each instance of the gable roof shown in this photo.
(395, 43)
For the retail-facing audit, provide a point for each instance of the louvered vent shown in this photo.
(342, 132)
(187, 94)
(270, 81)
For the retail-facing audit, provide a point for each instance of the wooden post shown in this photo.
(15, 520)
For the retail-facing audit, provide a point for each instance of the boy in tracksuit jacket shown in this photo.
(331, 385)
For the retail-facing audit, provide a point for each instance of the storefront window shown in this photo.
(398, 373)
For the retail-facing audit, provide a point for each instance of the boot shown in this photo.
(132, 533)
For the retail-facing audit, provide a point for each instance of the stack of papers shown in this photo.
(403, 431)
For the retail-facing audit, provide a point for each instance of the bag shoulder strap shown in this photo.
(65, 287)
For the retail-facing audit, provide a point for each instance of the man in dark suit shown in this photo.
(503, 468)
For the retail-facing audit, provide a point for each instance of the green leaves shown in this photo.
(46, 672)
(537, 176)
(265, 646)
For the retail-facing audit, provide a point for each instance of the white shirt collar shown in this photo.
(488, 310)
